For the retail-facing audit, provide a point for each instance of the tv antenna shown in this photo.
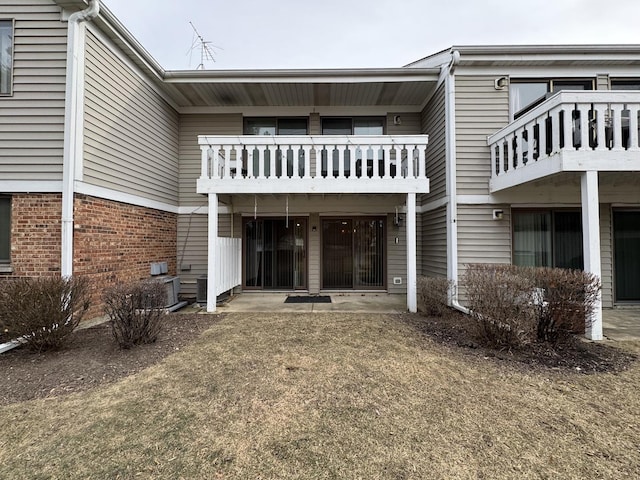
(205, 47)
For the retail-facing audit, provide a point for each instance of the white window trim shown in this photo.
(13, 50)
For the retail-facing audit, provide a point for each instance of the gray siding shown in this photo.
(434, 243)
(131, 133)
(32, 119)
(481, 239)
(606, 255)
(190, 154)
(396, 255)
(481, 110)
(433, 123)
(409, 124)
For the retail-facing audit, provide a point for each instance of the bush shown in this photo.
(501, 302)
(43, 311)
(568, 300)
(433, 294)
(135, 310)
(517, 305)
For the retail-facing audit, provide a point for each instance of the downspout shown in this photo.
(72, 127)
(451, 179)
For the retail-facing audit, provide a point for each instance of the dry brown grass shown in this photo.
(321, 396)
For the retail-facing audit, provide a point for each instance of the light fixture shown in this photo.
(500, 82)
(498, 214)
(397, 120)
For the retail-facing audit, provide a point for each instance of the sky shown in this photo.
(252, 34)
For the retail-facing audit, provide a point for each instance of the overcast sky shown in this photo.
(255, 34)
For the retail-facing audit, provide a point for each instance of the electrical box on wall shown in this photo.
(397, 280)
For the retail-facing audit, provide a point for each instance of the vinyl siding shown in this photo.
(32, 119)
(433, 123)
(131, 133)
(481, 110)
(606, 255)
(481, 239)
(410, 124)
(396, 255)
(190, 154)
(434, 243)
(314, 253)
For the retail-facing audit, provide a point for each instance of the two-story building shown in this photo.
(331, 180)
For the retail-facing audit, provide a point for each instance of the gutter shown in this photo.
(451, 178)
(73, 120)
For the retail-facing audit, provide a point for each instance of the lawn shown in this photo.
(323, 396)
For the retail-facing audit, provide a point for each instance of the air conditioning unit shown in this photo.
(201, 289)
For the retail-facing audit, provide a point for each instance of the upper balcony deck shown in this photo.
(572, 131)
(313, 164)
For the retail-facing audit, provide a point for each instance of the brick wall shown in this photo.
(36, 234)
(113, 242)
(116, 242)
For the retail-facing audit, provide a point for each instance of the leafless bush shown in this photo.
(135, 310)
(568, 300)
(433, 294)
(501, 302)
(44, 311)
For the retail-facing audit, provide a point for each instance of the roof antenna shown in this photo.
(205, 47)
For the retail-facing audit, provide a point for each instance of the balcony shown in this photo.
(573, 131)
(313, 164)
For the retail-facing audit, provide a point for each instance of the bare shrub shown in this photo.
(135, 310)
(568, 300)
(501, 302)
(433, 294)
(44, 311)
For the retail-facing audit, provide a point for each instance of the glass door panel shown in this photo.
(567, 239)
(626, 236)
(337, 247)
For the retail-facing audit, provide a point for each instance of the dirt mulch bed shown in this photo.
(91, 358)
(580, 356)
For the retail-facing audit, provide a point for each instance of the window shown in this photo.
(5, 230)
(527, 94)
(6, 56)
(353, 126)
(548, 238)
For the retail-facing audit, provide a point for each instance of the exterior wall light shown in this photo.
(498, 214)
(500, 82)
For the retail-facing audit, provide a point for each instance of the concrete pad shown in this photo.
(621, 324)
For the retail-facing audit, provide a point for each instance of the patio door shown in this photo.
(275, 256)
(626, 238)
(353, 254)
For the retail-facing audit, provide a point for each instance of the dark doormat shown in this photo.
(308, 299)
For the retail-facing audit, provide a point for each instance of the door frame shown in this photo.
(385, 254)
(245, 221)
(614, 272)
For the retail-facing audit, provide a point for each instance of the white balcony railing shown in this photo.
(313, 164)
(571, 131)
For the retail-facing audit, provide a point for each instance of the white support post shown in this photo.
(412, 278)
(212, 248)
(591, 243)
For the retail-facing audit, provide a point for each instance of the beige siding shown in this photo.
(434, 243)
(396, 255)
(131, 133)
(314, 253)
(606, 255)
(602, 81)
(481, 110)
(32, 119)
(433, 123)
(190, 154)
(481, 239)
(409, 124)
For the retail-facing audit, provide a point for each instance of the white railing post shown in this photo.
(601, 123)
(633, 126)
(616, 125)
(422, 163)
(227, 162)
(583, 109)
(307, 161)
(204, 165)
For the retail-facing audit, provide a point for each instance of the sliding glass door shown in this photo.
(353, 254)
(626, 237)
(275, 254)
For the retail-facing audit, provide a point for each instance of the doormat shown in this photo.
(308, 299)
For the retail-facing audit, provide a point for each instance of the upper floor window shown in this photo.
(625, 84)
(353, 126)
(275, 126)
(525, 95)
(5, 230)
(6, 56)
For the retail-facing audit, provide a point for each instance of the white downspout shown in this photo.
(451, 179)
(72, 127)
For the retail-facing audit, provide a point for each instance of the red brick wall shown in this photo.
(117, 242)
(36, 221)
(113, 242)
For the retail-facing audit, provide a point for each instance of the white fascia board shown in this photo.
(312, 186)
(30, 186)
(389, 75)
